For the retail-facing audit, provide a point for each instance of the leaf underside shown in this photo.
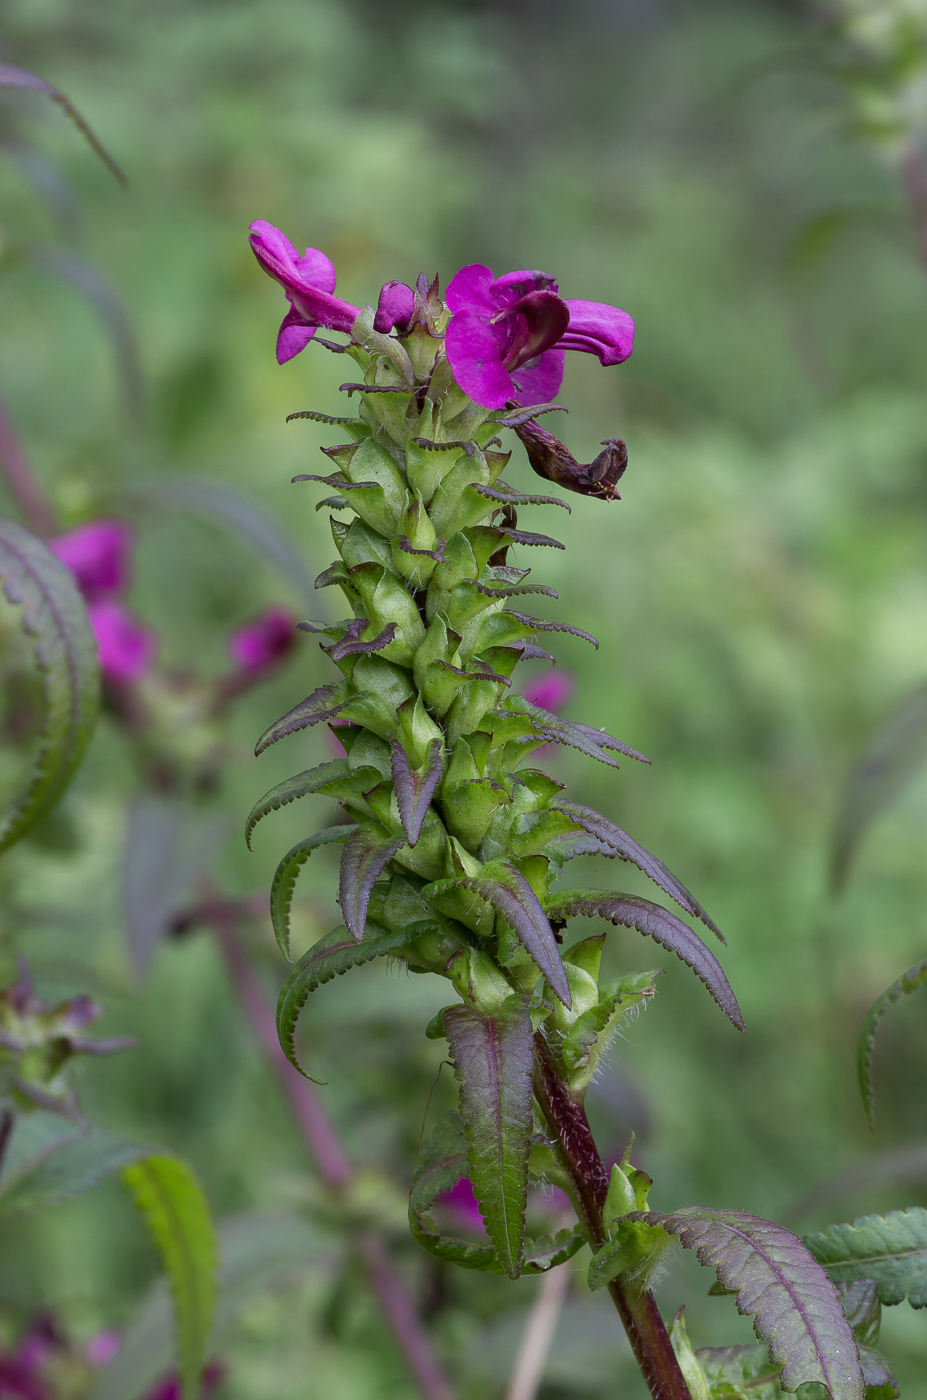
(323, 704)
(889, 1248)
(366, 853)
(780, 1283)
(177, 1215)
(65, 650)
(414, 791)
(284, 881)
(504, 887)
(494, 1061)
(656, 923)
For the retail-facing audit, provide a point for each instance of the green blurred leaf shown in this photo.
(890, 1248)
(20, 78)
(177, 1214)
(494, 1062)
(54, 616)
(740, 1372)
(909, 981)
(50, 1159)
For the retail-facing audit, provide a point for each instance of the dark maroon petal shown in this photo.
(395, 306)
(513, 285)
(537, 322)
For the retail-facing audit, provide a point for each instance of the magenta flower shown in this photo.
(462, 1202)
(97, 554)
(507, 336)
(309, 283)
(259, 645)
(125, 648)
(550, 692)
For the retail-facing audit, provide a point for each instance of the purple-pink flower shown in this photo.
(258, 645)
(97, 554)
(309, 282)
(550, 692)
(461, 1201)
(507, 336)
(126, 649)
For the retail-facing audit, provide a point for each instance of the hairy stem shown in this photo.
(20, 478)
(334, 1168)
(7, 1119)
(638, 1311)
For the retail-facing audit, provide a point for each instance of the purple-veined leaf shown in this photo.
(619, 844)
(65, 651)
(284, 881)
(323, 704)
(20, 78)
(889, 1248)
(657, 923)
(414, 791)
(366, 853)
(894, 755)
(351, 645)
(494, 1062)
(518, 416)
(554, 730)
(333, 955)
(538, 624)
(782, 1286)
(335, 779)
(175, 1210)
(526, 537)
(909, 981)
(508, 495)
(504, 887)
(440, 1163)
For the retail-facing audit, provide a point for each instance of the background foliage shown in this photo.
(760, 594)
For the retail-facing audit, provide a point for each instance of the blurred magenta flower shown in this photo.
(518, 325)
(170, 1388)
(126, 649)
(462, 1202)
(309, 282)
(258, 645)
(97, 554)
(101, 1348)
(550, 692)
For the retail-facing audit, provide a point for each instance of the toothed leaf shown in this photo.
(915, 977)
(335, 779)
(284, 881)
(889, 1248)
(494, 1062)
(322, 704)
(366, 853)
(781, 1285)
(414, 791)
(54, 617)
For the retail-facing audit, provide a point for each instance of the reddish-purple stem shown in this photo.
(334, 1167)
(646, 1330)
(915, 178)
(24, 488)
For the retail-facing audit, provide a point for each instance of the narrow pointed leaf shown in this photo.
(504, 887)
(334, 779)
(177, 1215)
(538, 624)
(322, 704)
(333, 955)
(65, 651)
(656, 923)
(494, 1062)
(782, 1286)
(595, 743)
(619, 844)
(284, 881)
(507, 494)
(414, 791)
(890, 1248)
(366, 853)
(915, 977)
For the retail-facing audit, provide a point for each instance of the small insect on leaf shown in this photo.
(65, 650)
(176, 1212)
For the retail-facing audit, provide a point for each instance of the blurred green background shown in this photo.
(760, 594)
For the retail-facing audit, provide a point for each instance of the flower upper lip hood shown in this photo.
(309, 282)
(519, 325)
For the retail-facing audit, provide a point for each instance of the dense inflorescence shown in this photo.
(455, 843)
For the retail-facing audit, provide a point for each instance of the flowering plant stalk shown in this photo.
(455, 847)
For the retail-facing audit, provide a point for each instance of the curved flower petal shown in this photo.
(308, 281)
(475, 348)
(257, 646)
(513, 285)
(539, 381)
(97, 554)
(601, 330)
(293, 336)
(536, 323)
(395, 306)
(469, 290)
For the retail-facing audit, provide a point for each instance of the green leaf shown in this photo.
(177, 1215)
(50, 1159)
(780, 1284)
(589, 1036)
(414, 790)
(65, 651)
(494, 1062)
(284, 881)
(330, 957)
(909, 981)
(366, 854)
(323, 704)
(335, 779)
(689, 1364)
(439, 1165)
(890, 1248)
(740, 1373)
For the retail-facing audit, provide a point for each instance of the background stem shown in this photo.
(646, 1330)
(538, 1334)
(24, 488)
(336, 1171)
